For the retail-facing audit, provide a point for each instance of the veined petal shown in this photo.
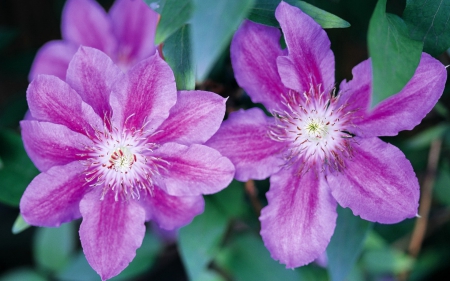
(405, 110)
(194, 170)
(84, 22)
(310, 60)
(254, 50)
(53, 59)
(378, 183)
(53, 197)
(299, 220)
(145, 95)
(244, 139)
(171, 212)
(195, 117)
(51, 99)
(110, 232)
(91, 74)
(134, 25)
(49, 144)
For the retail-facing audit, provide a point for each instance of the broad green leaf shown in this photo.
(213, 24)
(17, 171)
(53, 247)
(395, 56)
(428, 21)
(441, 187)
(19, 225)
(231, 200)
(178, 54)
(346, 243)
(78, 269)
(25, 274)
(264, 12)
(174, 15)
(424, 138)
(199, 241)
(246, 258)
(156, 5)
(387, 260)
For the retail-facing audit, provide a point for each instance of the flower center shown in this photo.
(316, 129)
(122, 160)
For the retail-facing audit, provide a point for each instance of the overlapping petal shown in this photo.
(378, 183)
(244, 139)
(111, 232)
(406, 109)
(171, 212)
(195, 117)
(49, 144)
(298, 222)
(145, 95)
(53, 197)
(310, 60)
(254, 50)
(194, 170)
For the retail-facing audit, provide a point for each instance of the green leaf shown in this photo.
(53, 247)
(156, 5)
(199, 241)
(174, 15)
(20, 274)
(426, 137)
(428, 22)
(231, 199)
(19, 225)
(78, 269)
(178, 54)
(346, 243)
(213, 24)
(441, 187)
(264, 12)
(395, 56)
(387, 260)
(17, 171)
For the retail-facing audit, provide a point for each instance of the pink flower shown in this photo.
(320, 148)
(118, 150)
(126, 35)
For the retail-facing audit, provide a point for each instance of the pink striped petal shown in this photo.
(134, 25)
(49, 144)
(310, 60)
(194, 170)
(84, 22)
(53, 59)
(378, 183)
(110, 232)
(145, 95)
(195, 117)
(244, 139)
(299, 220)
(171, 212)
(50, 99)
(406, 109)
(91, 74)
(53, 197)
(254, 50)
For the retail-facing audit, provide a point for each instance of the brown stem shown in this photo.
(252, 193)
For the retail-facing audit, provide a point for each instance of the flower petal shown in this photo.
(91, 74)
(110, 232)
(84, 22)
(134, 25)
(310, 60)
(254, 50)
(53, 197)
(243, 138)
(53, 59)
(171, 212)
(378, 183)
(194, 170)
(195, 117)
(145, 95)
(405, 110)
(51, 99)
(49, 144)
(299, 220)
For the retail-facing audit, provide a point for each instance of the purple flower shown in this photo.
(118, 150)
(320, 148)
(126, 35)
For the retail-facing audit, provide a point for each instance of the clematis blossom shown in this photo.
(321, 147)
(126, 34)
(119, 149)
